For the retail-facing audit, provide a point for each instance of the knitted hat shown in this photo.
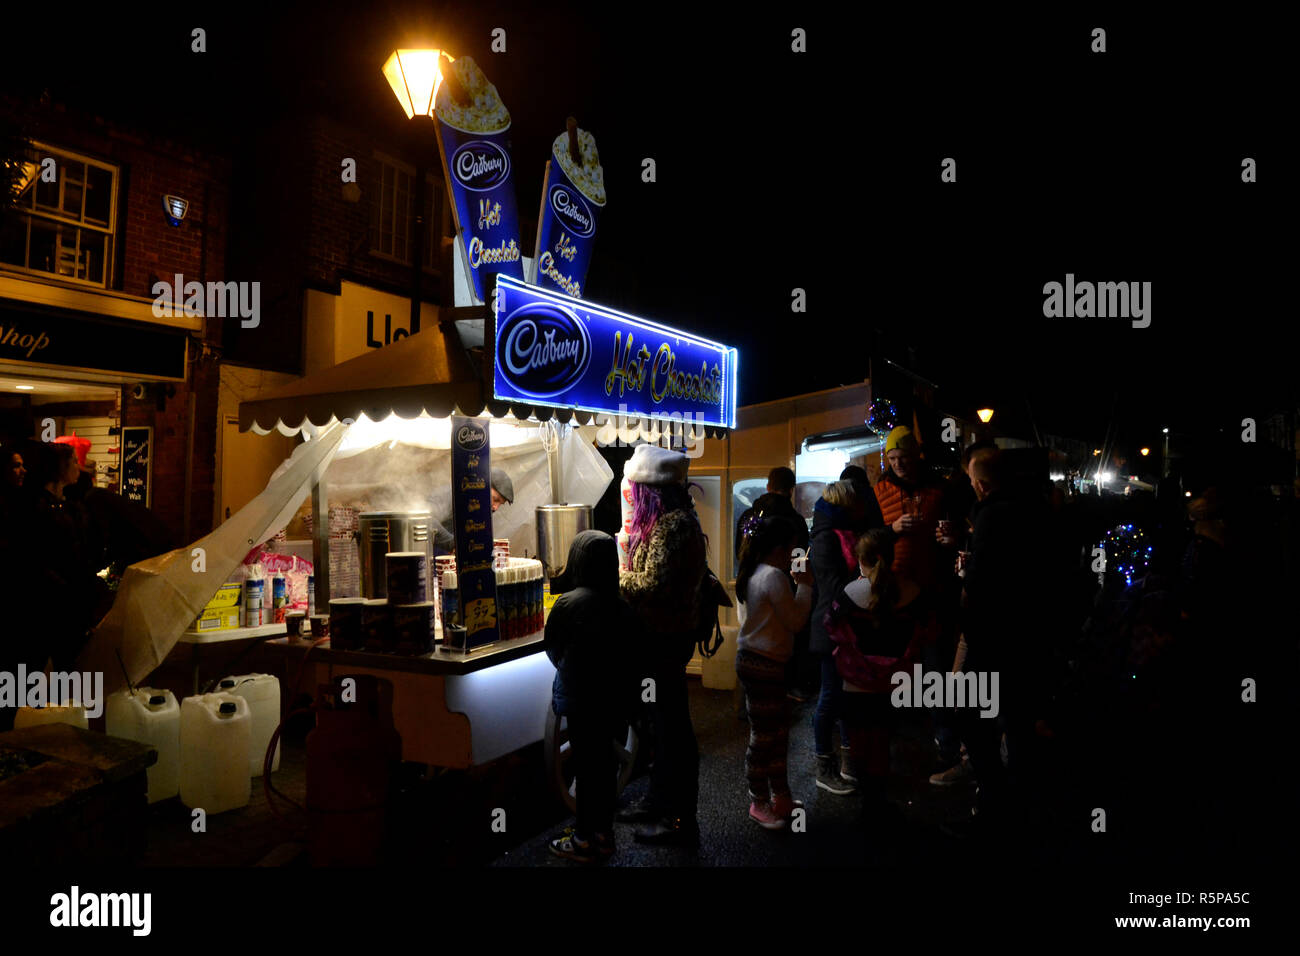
(501, 482)
(900, 438)
(653, 465)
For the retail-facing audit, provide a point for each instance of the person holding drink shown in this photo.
(913, 502)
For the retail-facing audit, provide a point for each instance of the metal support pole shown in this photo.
(320, 545)
(551, 441)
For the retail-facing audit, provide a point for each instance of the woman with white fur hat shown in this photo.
(667, 554)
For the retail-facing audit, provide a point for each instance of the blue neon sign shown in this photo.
(554, 350)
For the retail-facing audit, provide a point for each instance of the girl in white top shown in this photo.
(770, 616)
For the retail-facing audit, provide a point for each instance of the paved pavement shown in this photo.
(834, 835)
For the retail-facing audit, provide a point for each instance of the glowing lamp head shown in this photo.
(415, 78)
(1144, 452)
(985, 414)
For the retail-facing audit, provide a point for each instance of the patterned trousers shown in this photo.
(769, 724)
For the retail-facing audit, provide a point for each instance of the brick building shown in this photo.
(79, 257)
(335, 259)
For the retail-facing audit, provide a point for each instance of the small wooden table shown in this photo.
(71, 796)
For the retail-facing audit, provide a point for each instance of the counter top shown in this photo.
(230, 634)
(439, 662)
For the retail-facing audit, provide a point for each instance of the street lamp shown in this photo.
(415, 76)
(985, 414)
(1144, 452)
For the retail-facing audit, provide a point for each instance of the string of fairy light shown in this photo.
(1127, 551)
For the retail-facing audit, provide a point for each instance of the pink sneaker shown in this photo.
(761, 812)
(784, 807)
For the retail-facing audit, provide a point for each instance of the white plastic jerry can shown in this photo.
(70, 713)
(216, 730)
(262, 691)
(151, 717)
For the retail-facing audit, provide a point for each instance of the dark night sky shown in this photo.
(820, 171)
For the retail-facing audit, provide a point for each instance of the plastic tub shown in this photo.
(151, 717)
(262, 691)
(216, 732)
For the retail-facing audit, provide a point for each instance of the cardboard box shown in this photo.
(223, 612)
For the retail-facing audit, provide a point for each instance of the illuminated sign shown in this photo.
(554, 350)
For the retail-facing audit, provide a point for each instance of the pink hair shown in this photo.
(649, 504)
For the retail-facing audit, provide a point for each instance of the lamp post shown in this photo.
(1164, 458)
(415, 76)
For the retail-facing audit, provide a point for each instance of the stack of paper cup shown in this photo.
(625, 498)
(624, 558)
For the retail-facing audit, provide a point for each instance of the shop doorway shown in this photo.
(90, 412)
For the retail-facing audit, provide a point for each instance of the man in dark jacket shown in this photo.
(591, 637)
(778, 501)
(1005, 628)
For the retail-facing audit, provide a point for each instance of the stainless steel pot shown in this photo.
(557, 526)
(384, 531)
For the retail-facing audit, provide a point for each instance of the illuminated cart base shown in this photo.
(452, 709)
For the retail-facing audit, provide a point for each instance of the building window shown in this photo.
(392, 212)
(393, 215)
(65, 227)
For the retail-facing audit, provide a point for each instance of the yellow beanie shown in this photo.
(900, 438)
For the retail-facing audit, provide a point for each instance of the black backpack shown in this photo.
(712, 597)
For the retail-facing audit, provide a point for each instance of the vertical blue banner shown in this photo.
(573, 194)
(474, 142)
(471, 475)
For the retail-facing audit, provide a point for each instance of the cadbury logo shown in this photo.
(470, 437)
(481, 165)
(543, 349)
(573, 211)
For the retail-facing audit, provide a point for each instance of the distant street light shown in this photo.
(985, 414)
(1144, 452)
(1096, 452)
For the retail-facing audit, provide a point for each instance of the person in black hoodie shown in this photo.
(838, 516)
(591, 638)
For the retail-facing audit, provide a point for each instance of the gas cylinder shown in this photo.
(352, 757)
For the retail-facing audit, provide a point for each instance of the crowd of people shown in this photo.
(58, 532)
(986, 569)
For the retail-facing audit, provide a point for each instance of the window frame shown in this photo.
(376, 219)
(32, 212)
(436, 222)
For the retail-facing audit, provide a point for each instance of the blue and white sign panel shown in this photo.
(568, 353)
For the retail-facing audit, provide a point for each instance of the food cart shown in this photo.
(458, 709)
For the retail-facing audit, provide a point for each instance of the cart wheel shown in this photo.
(559, 765)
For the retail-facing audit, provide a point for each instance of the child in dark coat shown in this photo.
(591, 638)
